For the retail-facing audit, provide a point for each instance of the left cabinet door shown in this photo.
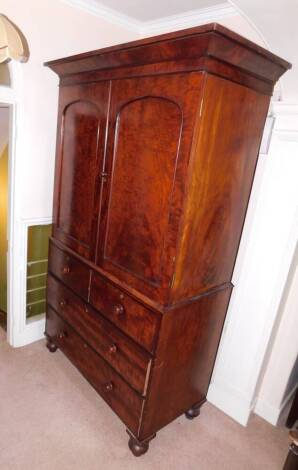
(82, 119)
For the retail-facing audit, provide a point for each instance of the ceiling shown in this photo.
(148, 10)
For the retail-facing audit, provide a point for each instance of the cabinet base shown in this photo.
(193, 412)
(52, 347)
(137, 447)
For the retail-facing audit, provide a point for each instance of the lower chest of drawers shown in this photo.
(149, 367)
(124, 355)
(109, 384)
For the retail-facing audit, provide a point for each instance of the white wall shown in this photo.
(276, 20)
(53, 29)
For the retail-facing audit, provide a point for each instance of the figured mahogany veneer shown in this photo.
(69, 270)
(157, 146)
(134, 319)
(126, 357)
(114, 390)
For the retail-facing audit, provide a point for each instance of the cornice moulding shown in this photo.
(146, 28)
(187, 19)
(108, 14)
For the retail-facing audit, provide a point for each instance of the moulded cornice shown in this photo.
(145, 28)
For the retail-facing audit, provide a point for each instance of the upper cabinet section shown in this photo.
(83, 111)
(210, 48)
(148, 149)
(157, 147)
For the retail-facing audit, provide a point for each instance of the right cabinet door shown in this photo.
(150, 133)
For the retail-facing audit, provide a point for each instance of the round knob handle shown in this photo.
(109, 387)
(62, 335)
(62, 303)
(66, 270)
(118, 309)
(113, 349)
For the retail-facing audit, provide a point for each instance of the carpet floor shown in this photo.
(51, 418)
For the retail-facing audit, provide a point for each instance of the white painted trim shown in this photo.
(282, 108)
(18, 332)
(271, 413)
(146, 28)
(26, 332)
(187, 19)
(266, 411)
(230, 401)
(95, 8)
(238, 403)
(286, 126)
(12, 97)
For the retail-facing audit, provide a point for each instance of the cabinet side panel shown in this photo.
(222, 167)
(185, 356)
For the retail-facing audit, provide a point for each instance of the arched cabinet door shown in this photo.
(80, 144)
(148, 151)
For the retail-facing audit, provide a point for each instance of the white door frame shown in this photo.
(19, 332)
(10, 95)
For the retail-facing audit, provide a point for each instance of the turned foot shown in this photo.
(51, 346)
(292, 459)
(193, 412)
(137, 447)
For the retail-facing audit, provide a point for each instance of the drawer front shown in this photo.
(135, 320)
(71, 271)
(126, 357)
(113, 389)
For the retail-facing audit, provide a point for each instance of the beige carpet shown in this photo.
(50, 418)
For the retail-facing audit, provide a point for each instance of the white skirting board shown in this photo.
(33, 331)
(230, 401)
(270, 412)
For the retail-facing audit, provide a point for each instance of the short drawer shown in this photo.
(130, 316)
(70, 270)
(125, 356)
(113, 389)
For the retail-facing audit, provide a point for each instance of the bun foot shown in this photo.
(51, 346)
(137, 447)
(193, 412)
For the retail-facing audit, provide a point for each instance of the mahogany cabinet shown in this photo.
(156, 151)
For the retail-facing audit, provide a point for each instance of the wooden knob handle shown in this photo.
(118, 309)
(66, 270)
(109, 387)
(62, 335)
(62, 303)
(113, 349)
